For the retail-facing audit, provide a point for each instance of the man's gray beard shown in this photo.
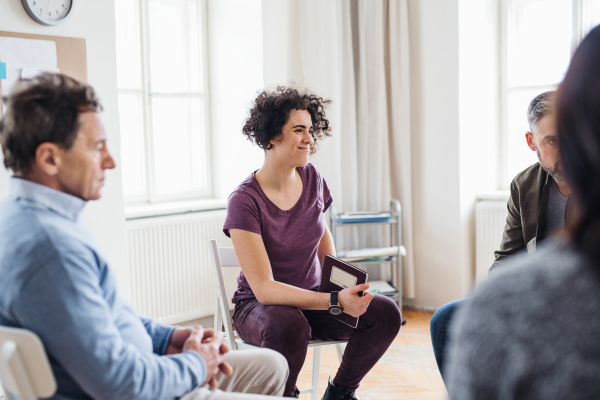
(555, 173)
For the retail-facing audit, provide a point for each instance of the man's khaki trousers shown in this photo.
(257, 375)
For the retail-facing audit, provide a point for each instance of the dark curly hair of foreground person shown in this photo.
(271, 112)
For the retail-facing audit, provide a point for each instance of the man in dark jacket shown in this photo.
(538, 206)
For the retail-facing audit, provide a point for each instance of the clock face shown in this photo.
(48, 12)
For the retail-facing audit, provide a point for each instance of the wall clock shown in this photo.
(48, 12)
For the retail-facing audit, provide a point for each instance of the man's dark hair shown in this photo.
(39, 110)
(578, 126)
(271, 111)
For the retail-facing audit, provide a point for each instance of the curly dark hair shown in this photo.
(271, 111)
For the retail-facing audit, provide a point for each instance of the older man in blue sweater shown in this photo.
(55, 282)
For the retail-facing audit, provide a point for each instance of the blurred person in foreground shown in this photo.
(531, 331)
(56, 282)
(538, 206)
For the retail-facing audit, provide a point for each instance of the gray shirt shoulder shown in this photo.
(530, 332)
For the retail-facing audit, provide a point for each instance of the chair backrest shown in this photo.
(24, 367)
(224, 257)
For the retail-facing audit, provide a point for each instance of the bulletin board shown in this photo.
(70, 54)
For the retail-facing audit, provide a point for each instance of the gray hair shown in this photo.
(541, 105)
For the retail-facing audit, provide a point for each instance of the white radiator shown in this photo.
(490, 218)
(172, 278)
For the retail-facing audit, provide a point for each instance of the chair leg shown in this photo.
(315, 373)
(218, 326)
(340, 351)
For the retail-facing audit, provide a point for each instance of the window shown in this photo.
(161, 80)
(539, 38)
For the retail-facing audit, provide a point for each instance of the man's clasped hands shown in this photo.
(210, 346)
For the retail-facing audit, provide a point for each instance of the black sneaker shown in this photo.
(297, 394)
(333, 393)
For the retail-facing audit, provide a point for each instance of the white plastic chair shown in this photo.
(24, 367)
(225, 257)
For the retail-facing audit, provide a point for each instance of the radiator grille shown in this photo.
(171, 265)
(490, 219)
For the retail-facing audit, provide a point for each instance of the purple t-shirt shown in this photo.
(291, 237)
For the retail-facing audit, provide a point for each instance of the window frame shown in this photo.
(578, 32)
(150, 195)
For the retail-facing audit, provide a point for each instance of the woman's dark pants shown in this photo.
(288, 330)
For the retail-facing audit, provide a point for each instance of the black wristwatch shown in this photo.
(335, 308)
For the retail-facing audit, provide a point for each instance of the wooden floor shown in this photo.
(407, 371)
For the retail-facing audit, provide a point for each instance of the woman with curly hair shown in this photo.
(275, 220)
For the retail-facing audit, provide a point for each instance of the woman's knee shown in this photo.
(385, 314)
(287, 326)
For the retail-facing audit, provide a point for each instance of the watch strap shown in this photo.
(334, 299)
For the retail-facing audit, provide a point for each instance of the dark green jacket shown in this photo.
(527, 207)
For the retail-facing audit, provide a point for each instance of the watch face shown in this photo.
(335, 310)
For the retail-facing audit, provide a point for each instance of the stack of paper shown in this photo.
(381, 287)
(362, 216)
(372, 253)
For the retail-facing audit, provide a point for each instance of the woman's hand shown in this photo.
(354, 304)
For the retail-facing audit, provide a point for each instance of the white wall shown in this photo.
(454, 76)
(278, 53)
(436, 197)
(479, 115)
(236, 77)
(95, 22)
